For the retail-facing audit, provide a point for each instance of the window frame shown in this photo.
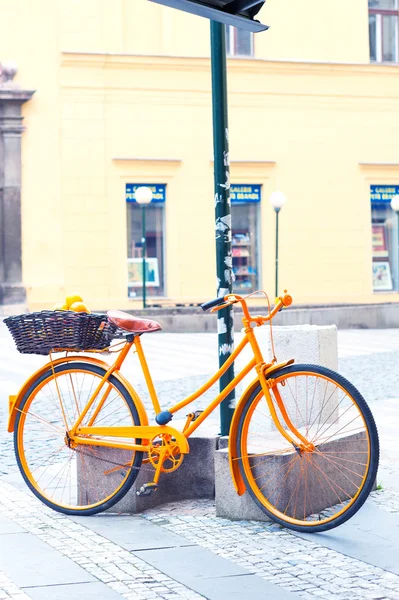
(156, 203)
(379, 13)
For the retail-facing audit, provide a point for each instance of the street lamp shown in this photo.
(143, 196)
(277, 200)
(395, 203)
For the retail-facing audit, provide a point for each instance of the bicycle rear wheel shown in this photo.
(80, 480)
(319, 486)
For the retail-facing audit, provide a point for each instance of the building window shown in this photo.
(245, 208)
(239, 42)
(383, 30)
(155, 239)
(385, 239)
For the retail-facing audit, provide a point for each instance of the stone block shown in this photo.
(194, 479)
(310, 344)
(307, 344)
(228, 503)
(283, 494)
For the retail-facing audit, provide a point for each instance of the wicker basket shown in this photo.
(48, 330)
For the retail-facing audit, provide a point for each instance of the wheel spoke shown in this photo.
(307, 486)
(69, 477)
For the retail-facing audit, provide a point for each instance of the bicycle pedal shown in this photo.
(147, 489)
(196, 414)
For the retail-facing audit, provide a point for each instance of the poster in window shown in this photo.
(382, 280)
(380, 246)
(135, 272)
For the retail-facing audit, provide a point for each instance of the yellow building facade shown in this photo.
(123, 98)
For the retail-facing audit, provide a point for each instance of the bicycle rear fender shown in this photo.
(15, 401)
(233, 454)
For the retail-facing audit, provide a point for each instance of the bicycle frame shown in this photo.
(146, 432)
(150, 431)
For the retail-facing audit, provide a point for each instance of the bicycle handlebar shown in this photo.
(224, 301)
(207, 305)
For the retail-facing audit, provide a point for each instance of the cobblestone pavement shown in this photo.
(127, 575)
(276, 555)
(370, 359)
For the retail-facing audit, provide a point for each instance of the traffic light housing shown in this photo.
(238, 13)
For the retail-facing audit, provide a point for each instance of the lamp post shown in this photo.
(222, 214)
(277, 200)
(395, 207)
(143, 196)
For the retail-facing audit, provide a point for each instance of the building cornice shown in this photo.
(248, 65)
(379, 165)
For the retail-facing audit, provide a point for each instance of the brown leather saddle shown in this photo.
(130, 324)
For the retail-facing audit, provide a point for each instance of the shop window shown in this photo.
(384, 30)
(155, 240)
(245, 209)
(385, 241)
(239, 42)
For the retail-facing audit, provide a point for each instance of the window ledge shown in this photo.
(244, 56)
(387, 63)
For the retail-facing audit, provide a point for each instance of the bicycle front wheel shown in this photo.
(75, 479)
(319, 485)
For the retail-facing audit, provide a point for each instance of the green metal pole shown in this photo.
(222, 212)
(144, 246)
(277, 211)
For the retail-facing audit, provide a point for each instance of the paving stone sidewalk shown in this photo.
(183, 550)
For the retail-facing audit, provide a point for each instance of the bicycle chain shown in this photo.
(110, 462)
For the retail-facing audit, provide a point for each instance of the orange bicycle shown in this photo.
(302, 441)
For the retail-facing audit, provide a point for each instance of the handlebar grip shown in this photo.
(216, 302)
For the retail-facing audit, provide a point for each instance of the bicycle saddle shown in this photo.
(129, 323)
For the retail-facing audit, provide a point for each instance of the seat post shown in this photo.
(147, 374)
(122, 355)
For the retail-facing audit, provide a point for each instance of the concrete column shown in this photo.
(12, 290)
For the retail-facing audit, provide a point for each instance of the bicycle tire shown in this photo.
(325, 451)
(29, 397)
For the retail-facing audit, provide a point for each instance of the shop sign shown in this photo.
(383, 193)
(158, 191)
(245, 193)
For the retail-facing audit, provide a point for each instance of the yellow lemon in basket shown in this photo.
(60, 306)
(73, 299)
(79, 307)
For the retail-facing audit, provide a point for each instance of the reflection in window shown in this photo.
(383, 30)
(385, 239)
(383, 4)
(245, 236)
(390, 39)
(239, 42)
(373, 37)
(155, 249)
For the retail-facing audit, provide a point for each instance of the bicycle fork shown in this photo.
(270, 384)
(264, 370)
